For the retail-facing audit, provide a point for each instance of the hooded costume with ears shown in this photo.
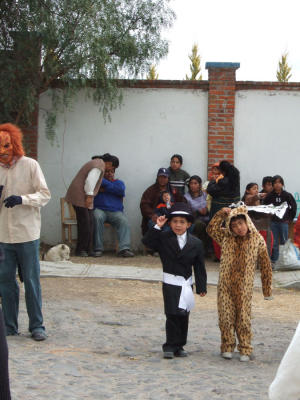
(240, 256)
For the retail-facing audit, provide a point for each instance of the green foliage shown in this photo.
(75, 44)
(152, 74)
(195, 66)
(283, 73)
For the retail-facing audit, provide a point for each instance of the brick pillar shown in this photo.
(27, 53)
(221, 103)
(30, 137)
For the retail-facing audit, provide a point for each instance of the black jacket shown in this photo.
(223, 188)
(177, 262)
(277, 199)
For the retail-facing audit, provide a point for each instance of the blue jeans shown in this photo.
(280, 232)
(26, 255)
(116, 219)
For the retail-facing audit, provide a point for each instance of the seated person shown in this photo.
(251, 196)
(267, 186)
(196, 198)
(261, 221)
(151, 196)
(108, 207)
(162, 209)
(177, 176)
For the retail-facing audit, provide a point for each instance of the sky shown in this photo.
(254, 33)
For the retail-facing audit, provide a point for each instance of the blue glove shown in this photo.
(1, 188)
(12, 201)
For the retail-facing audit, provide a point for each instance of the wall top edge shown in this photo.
(145, 83)
(230, 65)
(266, 85)
(188, 84)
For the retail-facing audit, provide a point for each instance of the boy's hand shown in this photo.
(226, 211)
(202, 294)
(161, 220)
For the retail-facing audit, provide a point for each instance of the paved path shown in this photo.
(69, 269)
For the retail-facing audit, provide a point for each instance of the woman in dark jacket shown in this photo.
(225, 190)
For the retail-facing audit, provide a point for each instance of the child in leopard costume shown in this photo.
(242, 249)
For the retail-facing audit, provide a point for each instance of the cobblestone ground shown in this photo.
(105, 341)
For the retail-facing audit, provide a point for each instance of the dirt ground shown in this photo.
(141, 295)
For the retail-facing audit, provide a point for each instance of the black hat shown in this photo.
(181, 210)
(163, 172)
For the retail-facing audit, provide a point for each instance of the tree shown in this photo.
(152, 74)
(75, 44)
(283, 73)
(195, 66)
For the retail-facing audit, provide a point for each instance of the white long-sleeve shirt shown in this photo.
(22, 223)
(91, 181)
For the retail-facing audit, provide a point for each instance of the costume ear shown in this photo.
(63, 246)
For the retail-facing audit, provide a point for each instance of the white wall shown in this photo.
(151, 125)
(267, 136)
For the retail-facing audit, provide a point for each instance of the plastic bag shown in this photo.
(289, 257)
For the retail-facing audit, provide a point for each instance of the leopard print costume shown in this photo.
(239, 258)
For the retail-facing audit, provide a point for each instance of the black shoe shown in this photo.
(97, 253)
(180, 353)
(81, 253)
(12, 334)
(125, 253)
(39, 335)
(168, 354)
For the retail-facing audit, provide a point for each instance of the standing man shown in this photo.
(23, 191)
(81, 194)
(109, 208)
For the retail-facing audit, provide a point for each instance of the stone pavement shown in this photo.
(105, 339)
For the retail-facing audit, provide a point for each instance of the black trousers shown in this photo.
(176, 331)
(4, 380)
(85, 229)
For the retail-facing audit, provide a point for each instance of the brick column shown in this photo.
(221, 103)
(30, 137)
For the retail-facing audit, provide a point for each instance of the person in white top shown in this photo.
(23, 191)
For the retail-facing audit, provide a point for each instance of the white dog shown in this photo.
(61, 252)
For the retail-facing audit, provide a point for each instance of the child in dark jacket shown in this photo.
(162, 208)
(280, 227)
(179, 252)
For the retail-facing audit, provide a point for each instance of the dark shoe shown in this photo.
(81, 253)
(97, 253)
(125, 253)
(12, 334)
(39, 335)
(168, 354)
(180, 353)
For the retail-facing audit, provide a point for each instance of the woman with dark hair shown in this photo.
(196, 199)
(225, 189)
(4, 380)
(177, 176)
(280, 227)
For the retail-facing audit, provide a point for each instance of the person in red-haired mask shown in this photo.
(23, 191)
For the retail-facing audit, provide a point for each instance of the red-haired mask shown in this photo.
(6, 148)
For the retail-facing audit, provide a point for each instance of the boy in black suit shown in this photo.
(179, 251)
